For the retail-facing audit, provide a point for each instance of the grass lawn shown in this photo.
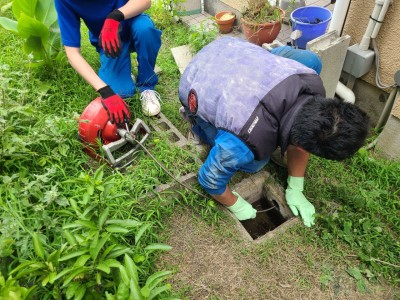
(72, 228)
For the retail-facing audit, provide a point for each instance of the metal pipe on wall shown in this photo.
(394, 93)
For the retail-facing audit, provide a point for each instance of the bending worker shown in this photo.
(116, 28)
(245, 102)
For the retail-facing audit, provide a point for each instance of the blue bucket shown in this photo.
(312, 21)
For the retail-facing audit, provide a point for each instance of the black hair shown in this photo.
(330, 128)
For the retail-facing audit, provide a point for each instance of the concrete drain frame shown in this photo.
(258, 189)
(262, 192)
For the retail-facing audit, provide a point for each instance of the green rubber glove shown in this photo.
(242, 209)
(298, 202)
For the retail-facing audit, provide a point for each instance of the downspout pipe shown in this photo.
(339, 16)
(345, 93)
(364, 44)
(394, 93)
(337, 23)
(380, 18)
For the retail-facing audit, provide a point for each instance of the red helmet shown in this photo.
(94, 124)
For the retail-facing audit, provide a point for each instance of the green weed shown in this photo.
(68, 231)
(359, 204)
(202, 35)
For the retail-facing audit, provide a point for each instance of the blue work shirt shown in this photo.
(92, 12)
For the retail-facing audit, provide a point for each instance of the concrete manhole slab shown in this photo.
(263, 193)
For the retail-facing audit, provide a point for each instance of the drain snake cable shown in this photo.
(132, 139)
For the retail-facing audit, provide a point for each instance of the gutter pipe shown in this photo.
(364, 44)
(337, 22)
(339, 16)
(394, 93)
(380, 18)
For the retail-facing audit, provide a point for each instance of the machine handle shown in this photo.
(127, 158)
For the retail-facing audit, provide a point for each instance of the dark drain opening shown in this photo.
(264, 221)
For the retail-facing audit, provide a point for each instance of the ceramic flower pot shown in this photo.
(260, 33)
(225, 20)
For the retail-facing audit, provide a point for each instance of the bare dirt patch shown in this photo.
(214, 263)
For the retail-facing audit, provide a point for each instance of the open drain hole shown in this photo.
(164, 125)
(264, 221)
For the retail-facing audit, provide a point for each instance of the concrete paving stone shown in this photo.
(191, 22)
(182, 56)
(322, 3)
(254, 188)
(331, 7)
(206, 25)
(201, 18)
(162, 124)
(189, 179)
(185, 19)
(157, 70)
(311, 2)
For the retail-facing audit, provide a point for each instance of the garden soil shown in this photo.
(212, 262)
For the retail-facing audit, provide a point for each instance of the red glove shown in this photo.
(117, 109)
(109, 38)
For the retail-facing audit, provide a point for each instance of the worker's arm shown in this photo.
(109, 38)
(117, 109)
(225, 158)
(78, 62)
(297, 160)
(133, 8)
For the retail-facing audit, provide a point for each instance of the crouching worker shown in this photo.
(116, 29)
(245, 102)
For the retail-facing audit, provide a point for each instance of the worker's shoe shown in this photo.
(277, 158)
(184, 115)
(150, 102)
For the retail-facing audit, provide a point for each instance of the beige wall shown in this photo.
(241, 5)
(388, 39)
(236, 4)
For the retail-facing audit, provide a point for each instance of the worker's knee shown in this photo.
(117, 73)
(308, 58)
(143, 26)
(210, 184)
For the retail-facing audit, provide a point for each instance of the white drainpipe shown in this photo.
(364, 44)
(339, 16)
(380, 18)
(345, 93)
(337, 22)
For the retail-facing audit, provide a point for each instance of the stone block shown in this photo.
(389, 140)
(255, 187)
(182, 56)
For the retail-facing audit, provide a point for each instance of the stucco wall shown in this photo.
(388, 40)
(236, 4)
(241, 5)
